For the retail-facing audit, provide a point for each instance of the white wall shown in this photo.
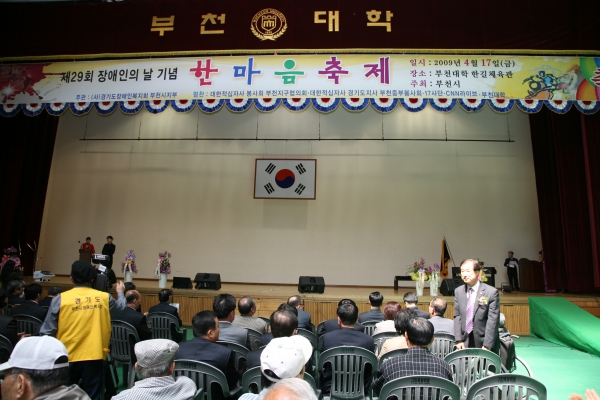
(380, 205)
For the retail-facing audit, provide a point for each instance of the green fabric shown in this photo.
(560, 321)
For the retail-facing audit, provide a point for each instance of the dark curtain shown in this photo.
(28, 144)
(565, 149)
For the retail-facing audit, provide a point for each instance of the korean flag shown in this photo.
(285, 179)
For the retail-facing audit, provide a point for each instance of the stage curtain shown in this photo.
(567, 180)
(28, 144)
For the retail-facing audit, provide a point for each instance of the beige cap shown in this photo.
(151, 353)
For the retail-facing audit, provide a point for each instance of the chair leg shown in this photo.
(131, 380)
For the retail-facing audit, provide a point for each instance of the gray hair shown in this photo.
(295, 388)
(161, 369)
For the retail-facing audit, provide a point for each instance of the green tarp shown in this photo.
(562, 322)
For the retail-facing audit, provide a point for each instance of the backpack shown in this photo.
(508, 354)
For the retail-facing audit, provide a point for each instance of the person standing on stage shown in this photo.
(511, 265)
(88, 245)
(476, 310)
(109, 250)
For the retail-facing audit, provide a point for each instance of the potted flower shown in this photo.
(128, 266)
(420, 272)
(11, 253)
(163, 268)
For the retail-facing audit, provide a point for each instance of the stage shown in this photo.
(515, 306)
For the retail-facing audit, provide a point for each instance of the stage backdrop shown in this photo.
(380, 205)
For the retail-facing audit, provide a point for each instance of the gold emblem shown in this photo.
(268, 24)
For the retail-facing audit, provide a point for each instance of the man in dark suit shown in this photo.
(164, 296)
(224, 308)
(283, 323)
(30, 306)
(109, 250)
(267, 337)
(303, 317)
(476, 310)
(375, 314)
(134, 318)
(203, 347)
(333, 324)
(511, 264)
(346, 336)
(15, 292)
(410, 301)
(52, 293)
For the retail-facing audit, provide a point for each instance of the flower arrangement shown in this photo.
(163, 265)
(11, 253)
(420, 267)
(482, 276)
(129, 264)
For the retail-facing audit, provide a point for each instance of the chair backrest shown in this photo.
(204, 375)
(420, 387)
(507, 386)
(160, 324)
(390, 354)
(380, 338)
(312, 338)
(124, 337)
(267, 321)
(349, 365)
(320, 328)
(6, 349)
(470, 365)
(251, 380)
(443, 344)
(240, 352)
(28, 324)
(370, 327)
(254, 338)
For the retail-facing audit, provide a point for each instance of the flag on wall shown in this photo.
(285, 179)
(445, 259)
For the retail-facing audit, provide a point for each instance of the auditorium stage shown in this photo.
(268, 297)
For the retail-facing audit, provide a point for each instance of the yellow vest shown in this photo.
(84, 323)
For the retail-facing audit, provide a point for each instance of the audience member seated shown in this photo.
(437, 308)
(224, 308)
(389, 313)
(134, 318)
(10, 272)
(417, 361)
(32, 294)
(247, 309)
(283, 323)
(333, 325)
(203, 347)
(400, 322)
(289, 389)
(374, 314)
(8, 325)
(164, 296)
(131, 286)
(53, 291)
(303, 317)
(39, 369)
(15, 292)
(155, 365)
(410, 301)
(346, 336)
(283, 358)
(267, 337)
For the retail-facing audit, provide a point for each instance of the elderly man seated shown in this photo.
(155, 365)
(246, 319)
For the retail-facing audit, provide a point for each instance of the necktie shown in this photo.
(470, 310)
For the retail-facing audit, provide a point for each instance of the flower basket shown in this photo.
(163, 268)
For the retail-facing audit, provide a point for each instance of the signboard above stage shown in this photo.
(303, 76)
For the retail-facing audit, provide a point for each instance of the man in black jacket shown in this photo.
(109, 250)
(410, 301)
(511, 264)
(30, 306)
(164, 296)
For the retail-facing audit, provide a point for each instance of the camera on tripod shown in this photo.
(102, 282)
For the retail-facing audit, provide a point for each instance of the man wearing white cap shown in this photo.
(284, 357)
(155, 365)
(38, 368)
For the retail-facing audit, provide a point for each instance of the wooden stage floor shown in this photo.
(268, 297)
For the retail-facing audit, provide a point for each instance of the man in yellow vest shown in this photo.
(80, 319)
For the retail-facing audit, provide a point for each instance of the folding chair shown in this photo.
(251, 380)
(380, 338)
(28, 324)
(390, 354)
(313, 384)
(507, 387)
(205, 375)
(370, 327)
(240, 352)
(349, 367)
(6, 349)
(254, 339)
(420, 387)
(161, 324)
(443, 344)
(470, 365)
(123, 338)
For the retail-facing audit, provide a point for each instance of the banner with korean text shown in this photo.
(339, 76)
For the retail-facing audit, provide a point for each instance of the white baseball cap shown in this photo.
(37, 353)
(284, 357)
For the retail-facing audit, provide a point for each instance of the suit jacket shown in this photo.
(218, 356)
(31, 308)
(233, 333)
(253, 359)
(332, 325)
(442, 325)
(46, 301)
(138, 321)
(250, 322)
(371, 315)
(266, 338)
(14, 299)
(8, 329)
(164, 307)
(421, 313)
(303, 320)
(485, 317)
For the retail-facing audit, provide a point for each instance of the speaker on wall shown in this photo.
(208, 281)
(448, 286)
(311, 284)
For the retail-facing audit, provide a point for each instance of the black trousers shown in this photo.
(91, 374)
(513, 278)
